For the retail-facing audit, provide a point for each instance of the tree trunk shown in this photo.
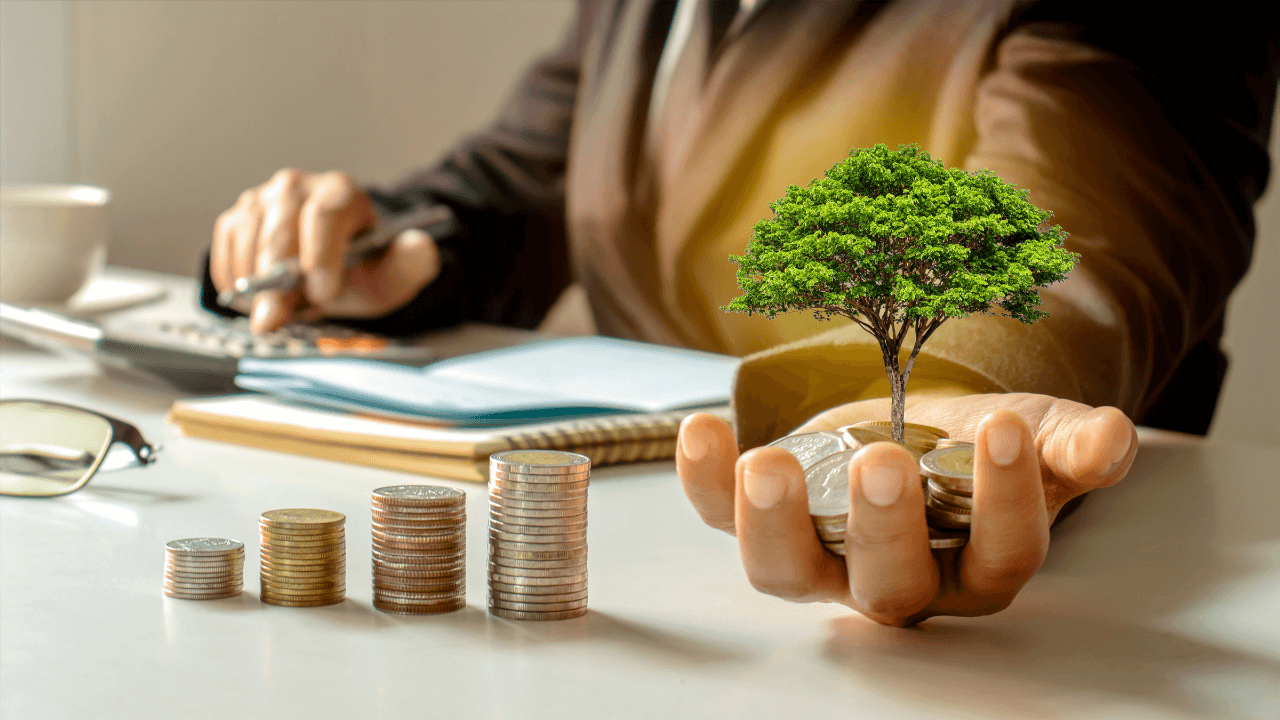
(898, 409)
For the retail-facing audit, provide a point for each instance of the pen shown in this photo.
(285, 274)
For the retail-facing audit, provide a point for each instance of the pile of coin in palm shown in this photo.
(538, 534)
(203, 568)
(419, 549)
(825, 456)
(304, 557)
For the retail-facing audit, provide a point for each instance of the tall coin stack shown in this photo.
(304, 557)
(948, 498)
(538, 534)
(419, 549)
(203, 568)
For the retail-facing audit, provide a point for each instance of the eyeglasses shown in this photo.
(48, 448)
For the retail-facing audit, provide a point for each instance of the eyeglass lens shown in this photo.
(48, 449)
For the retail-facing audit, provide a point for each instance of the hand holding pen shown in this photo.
(304, 246)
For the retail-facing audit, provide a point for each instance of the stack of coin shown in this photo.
(419, 549)
(304, 557)
(203, 568)
(919, 439)
(948, 498)
(538, 534)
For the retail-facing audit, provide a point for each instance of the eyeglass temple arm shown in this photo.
(132, 436)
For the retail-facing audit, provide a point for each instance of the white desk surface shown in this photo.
(1159, 599)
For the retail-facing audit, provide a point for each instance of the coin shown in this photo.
(275, 541)
(954, 499)
(538, 590)
(303, 571)
(835, 547)
(419, 608)
(217, 596)
(203, 577)
(858, 438)
(420, 495)
(538, 496)
(940, 539)
(204, 546)
(951, 468)
(578, 537)
(539, 462)
(505, 599)
(177, 585)
(536, 571)
(540, 607)
(290, 592)
(413, 513)
(520, 615)
(507, 578)
(303, 519)
(429, 527)
(205, 567)
(381, 570)
(320, 602)
(570, 514)
(436, 556)
(809, 448)
(526, 565)
(948, 442)
(498, 499)
(545, 528)
(886, 427)
(828, 484)
(405, 596)
(277, 557)
(945, 518)
(548, 488)
(500, 551)
(456, 582)
(456, 536)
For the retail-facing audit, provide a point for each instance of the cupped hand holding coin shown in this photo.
(1032, 454)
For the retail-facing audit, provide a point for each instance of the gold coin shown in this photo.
(291, 593)
(303, 544)
(941, 539)
(321, 602)
(950, 498)
(303, 518)
(944, 443)
(886, 427)
(952, 468)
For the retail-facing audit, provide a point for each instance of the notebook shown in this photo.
(527, 383)
(421, 447)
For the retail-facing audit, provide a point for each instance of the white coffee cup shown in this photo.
(52, 239)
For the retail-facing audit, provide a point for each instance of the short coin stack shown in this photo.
(948, 474)
(419, 549)
(825, 458)
(538, 534)
(204, 568)
(304, 557)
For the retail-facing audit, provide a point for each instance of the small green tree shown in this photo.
(895, 241)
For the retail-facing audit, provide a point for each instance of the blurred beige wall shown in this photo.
(178, 105)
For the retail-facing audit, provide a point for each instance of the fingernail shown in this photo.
(695, 444)
(882, 485)
(1004, 443)
(260, 314)
(762, 489)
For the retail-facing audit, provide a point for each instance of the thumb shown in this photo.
(390, 279)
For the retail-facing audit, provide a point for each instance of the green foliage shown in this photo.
(891, 237)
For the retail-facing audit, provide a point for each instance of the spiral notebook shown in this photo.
(422, 447)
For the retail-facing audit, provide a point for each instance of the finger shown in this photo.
(384, 283)
(244, 242)
(220, 251)
(892, 574)
(272, 309)
(1088, 447)
(277, 240)
(334, 211)
(1009, 531)
(706, 451)
(780, 550)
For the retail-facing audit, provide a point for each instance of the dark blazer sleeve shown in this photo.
(505, 259)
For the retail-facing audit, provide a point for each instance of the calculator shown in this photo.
(196, 356)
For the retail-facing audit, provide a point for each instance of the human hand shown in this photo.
(314, 216)
(1032, 454)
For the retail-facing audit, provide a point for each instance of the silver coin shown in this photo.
(501, 536)
(496, 473)
(532, 570)
(453, 585)
(198, 596)
(562, 589)
(202, 577)
(539, 462)
(539, 607)
(941, 539)
(950, 498)
(429, 532)
(828, 484)
(204, 546)
(835, 547)
(419, 569)
(499, 485)
(404, 596)
(433, 558)
(538, 496)
(809, 448)
(538, 528)
(536, 616)
(945, 519)
(505, 599)
(500, 511)
(510, 578)
(421, 495)
(506, 502)
(509, 546)
(416, 513)
(420, 608)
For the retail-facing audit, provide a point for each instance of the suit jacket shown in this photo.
(1148, 143)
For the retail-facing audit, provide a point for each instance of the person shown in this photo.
(634, 160)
